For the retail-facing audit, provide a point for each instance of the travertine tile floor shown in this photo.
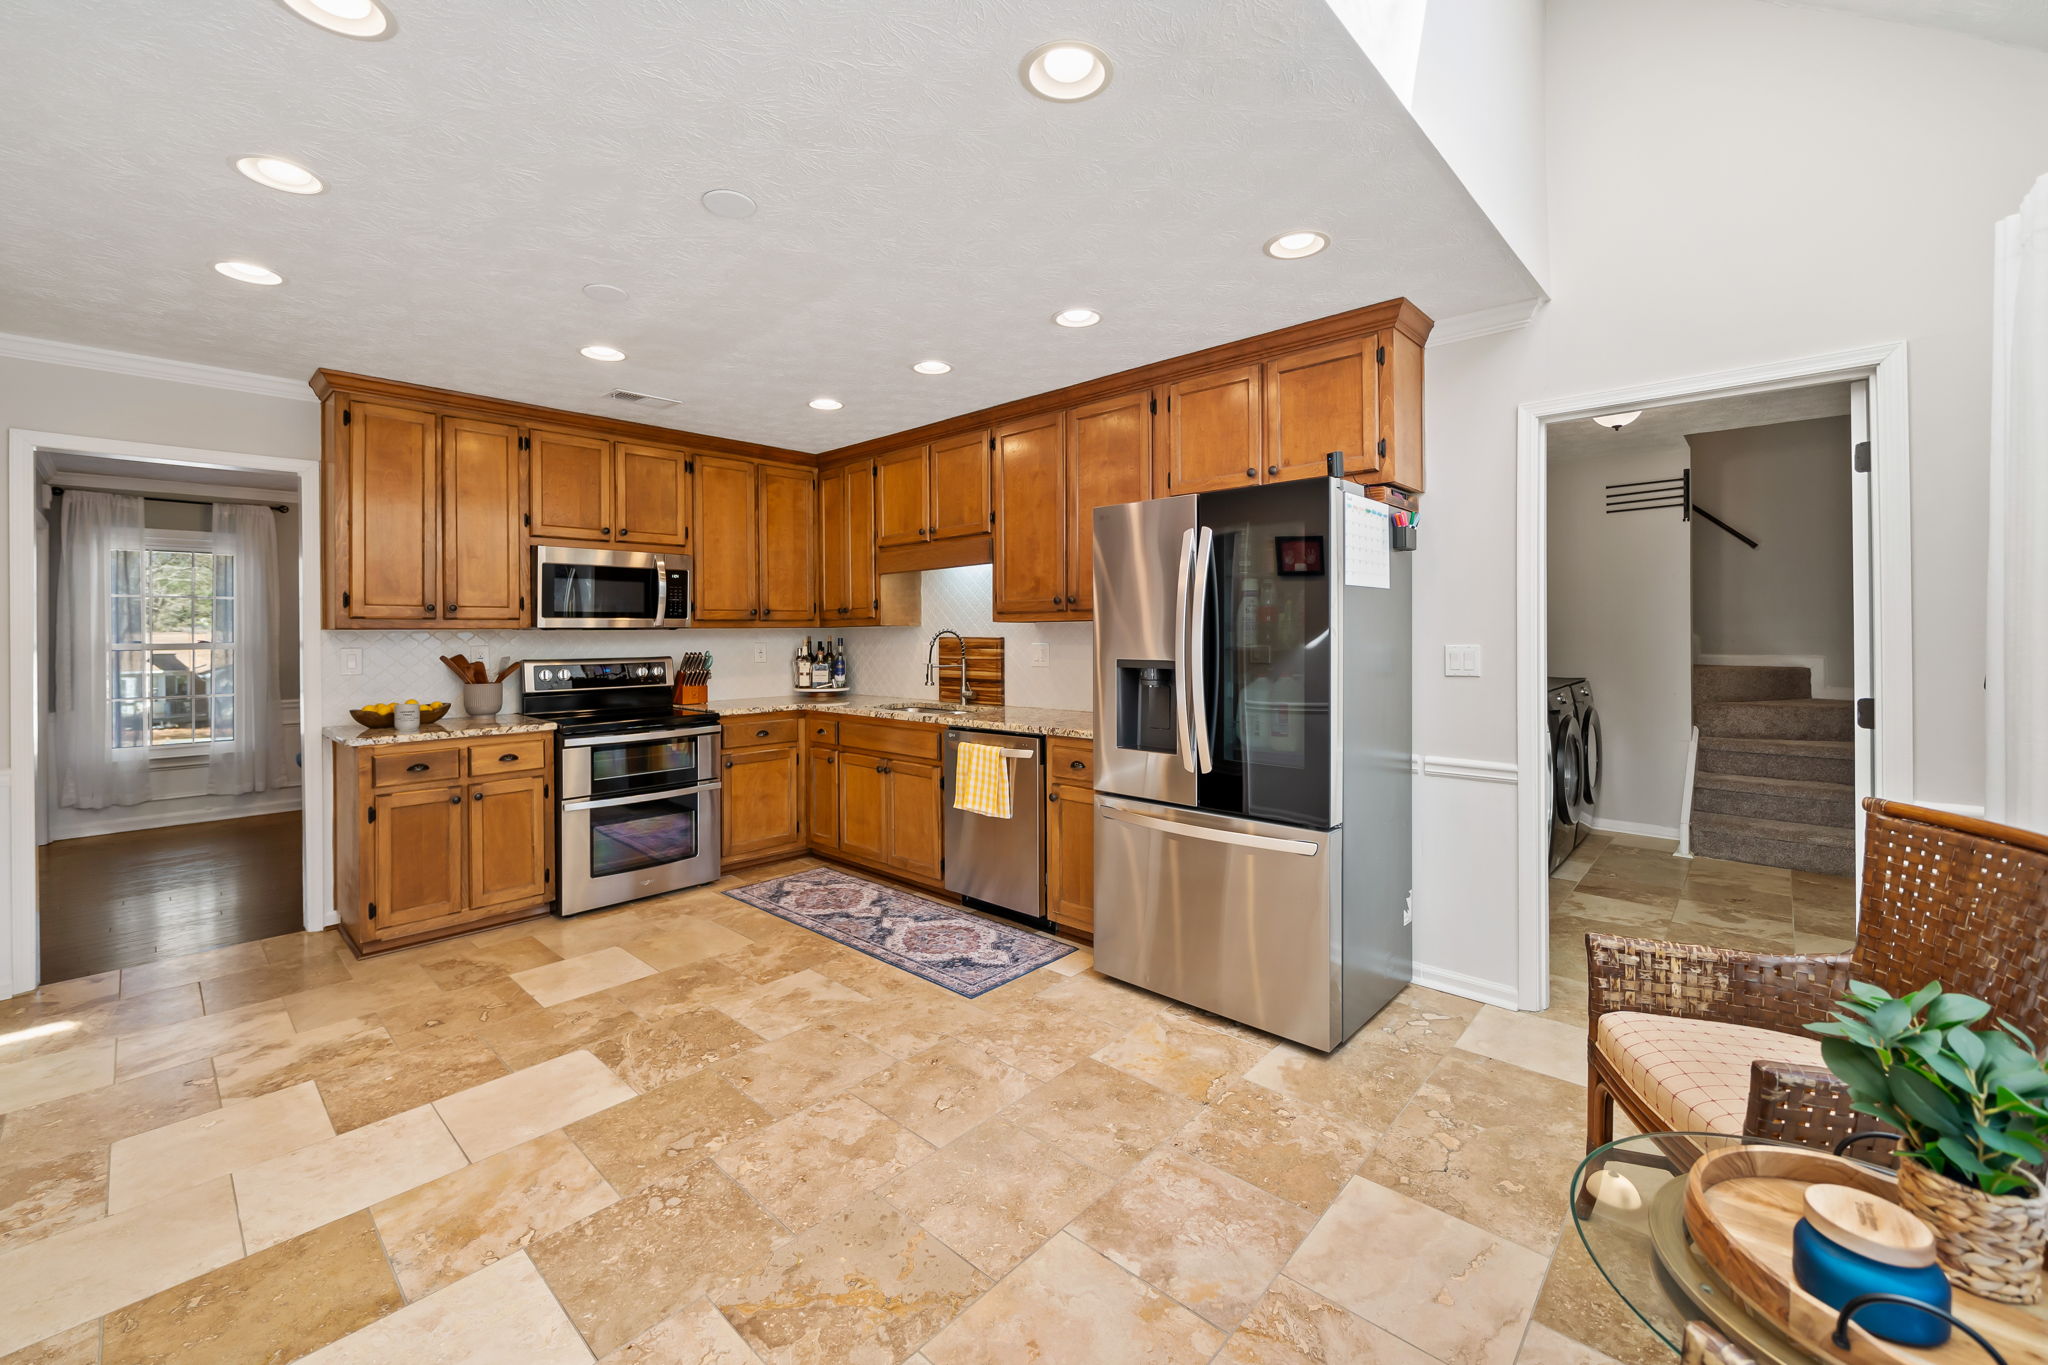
(686, 1131)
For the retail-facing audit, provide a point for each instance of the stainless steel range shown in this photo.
(640, 804)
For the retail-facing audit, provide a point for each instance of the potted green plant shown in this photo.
(1969, 1102)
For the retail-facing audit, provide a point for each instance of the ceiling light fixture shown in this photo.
(1077, 317)
(350, 18)
(1292, 246)
(827, 404)
(931, 367)
(274, 172)
(1065, 71)
(1617, 420)
(604, 353)
(247, 272)
(728, 204)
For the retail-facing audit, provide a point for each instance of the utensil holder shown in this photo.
(483, 699)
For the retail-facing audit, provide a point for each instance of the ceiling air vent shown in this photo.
(645, 400)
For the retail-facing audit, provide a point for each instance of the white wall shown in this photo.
(1786, 486)
(1619, 619)
(1730, 182)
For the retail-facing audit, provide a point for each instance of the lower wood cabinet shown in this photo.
(917, 827)
(423, 848)
(1070, 836)
(764, 799)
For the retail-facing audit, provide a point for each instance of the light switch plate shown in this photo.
(351, 663)
(1461, 661)
(1041, 655)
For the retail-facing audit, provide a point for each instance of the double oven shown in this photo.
(639, 812)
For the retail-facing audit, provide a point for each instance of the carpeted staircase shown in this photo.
(1776, 774)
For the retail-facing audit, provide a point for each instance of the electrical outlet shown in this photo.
(1041, 655)
(1408, 909)
(1461, 661)
(760, 654)
(351, 663)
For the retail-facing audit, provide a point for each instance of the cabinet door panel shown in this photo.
(728, 533)
(653, 496)
(835, 557)
(509, 820)
(1109, 461)
(1030, 570)
(483, 551)
(959, 497)
(417, 848)
(901, 508)
(1318, 400)
(788, 544)
(821, 779)
(763, 801)
(572, 486)
(394, 496)
(1070, 857)
(916, 819)
(863, 586)
(863, 808)
(1214, 432)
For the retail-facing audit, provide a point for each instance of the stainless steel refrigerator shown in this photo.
(1252, 755)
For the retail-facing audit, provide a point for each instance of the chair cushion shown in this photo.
(1694, 1073)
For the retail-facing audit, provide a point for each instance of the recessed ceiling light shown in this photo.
(728, 204)
(604, 293)
(604, 353)
(350, 18)
(1065, 71)
(1292, 246)
(1618, 420)
(274, 172)
(931, 367)
(247, 272)
(1077, 317)
(827, 404)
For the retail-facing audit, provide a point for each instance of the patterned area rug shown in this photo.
(966, 954)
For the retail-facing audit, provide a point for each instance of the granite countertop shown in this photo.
(450, 727)
(1016, 720)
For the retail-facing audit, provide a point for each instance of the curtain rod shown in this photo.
(57, 492)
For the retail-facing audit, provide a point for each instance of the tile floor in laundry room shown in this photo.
(685, 1130)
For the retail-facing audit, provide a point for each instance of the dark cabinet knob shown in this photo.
(508, 758)
(455, 800)
(624, 532)
(450, 609)
(416, 767)
(430, 609)
(1052, 798)
(760, 734)
(1078, 763)
(1272, 469)
(728, 763)
(476, 796)
(831, 758)
(607, 531)
(1251, 473)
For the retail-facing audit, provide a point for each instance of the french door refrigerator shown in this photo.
(1252, 755)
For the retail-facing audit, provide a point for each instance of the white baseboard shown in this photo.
(1465, 986)
(123, 819)
(1635, 827)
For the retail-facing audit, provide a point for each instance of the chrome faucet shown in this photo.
(931, 665)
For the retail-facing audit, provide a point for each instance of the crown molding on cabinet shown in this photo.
(16, 347)
(1485, 323)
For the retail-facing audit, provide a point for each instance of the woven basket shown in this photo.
(1990, 1244)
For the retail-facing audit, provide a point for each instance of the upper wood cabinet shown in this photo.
(788, 503)
(572, 486)
(902, 486)
(1109, 460)
(390, 478)
(1213, 431)
(727, 585)
(483, 560)
(848, 593)
(1030, 544)
(653, 495)
(1320, 400)
(938, 491)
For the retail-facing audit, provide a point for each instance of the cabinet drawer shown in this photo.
(752, 732)
(893, 738)
(1070, 760)
(406, 764)
(821, 731)
(509, 754)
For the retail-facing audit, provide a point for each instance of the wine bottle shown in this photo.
(839, 664)
(803, 663)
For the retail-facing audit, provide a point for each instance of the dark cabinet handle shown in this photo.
(430, 609)
(728, 763)
(1052, 797)
(476, 796)
(607, 531)
(760, 734)
(508, 758)
(1251, 473)
(455, 800)
(1272, 469)
(831, 758)
(1078, 764)
(450, 609)
(624, 532)
(417, 767)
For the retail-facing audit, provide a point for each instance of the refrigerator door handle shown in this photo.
(1182, 738)
(1198, 635)
(1265, 843)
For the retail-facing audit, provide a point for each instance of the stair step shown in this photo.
(1743, 682)
(1785, 719)
(1828, 849)
(1798, 800)
(1813, 760)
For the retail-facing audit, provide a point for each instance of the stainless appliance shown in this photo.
(1567, 773)
(1252, 755)
(579, 588)
(999, 864)
(639, 812)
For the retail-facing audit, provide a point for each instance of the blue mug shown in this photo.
(1834, 1274)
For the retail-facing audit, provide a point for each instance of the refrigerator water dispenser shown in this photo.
(1144, 705)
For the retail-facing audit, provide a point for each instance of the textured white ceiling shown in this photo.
(496, 155)
(2020, 22)
(1666, 428)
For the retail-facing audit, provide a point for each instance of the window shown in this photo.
(172, 670)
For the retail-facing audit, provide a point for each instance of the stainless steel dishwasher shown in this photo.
(999, 864)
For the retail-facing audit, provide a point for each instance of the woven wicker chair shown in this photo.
(1945, 898)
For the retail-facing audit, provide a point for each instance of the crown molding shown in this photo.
(48, 352)
(1485, 322)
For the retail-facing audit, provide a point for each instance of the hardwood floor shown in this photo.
(121, 900)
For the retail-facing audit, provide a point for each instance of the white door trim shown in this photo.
(1891, 581)
(19, 950)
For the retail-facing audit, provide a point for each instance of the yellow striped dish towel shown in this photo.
(981, 781)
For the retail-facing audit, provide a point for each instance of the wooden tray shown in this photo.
(1740, 1206)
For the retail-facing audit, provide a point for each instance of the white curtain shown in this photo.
(248, 746)
(2016, 786)
(99, 577)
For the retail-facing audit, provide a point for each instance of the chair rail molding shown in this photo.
(1468, 769)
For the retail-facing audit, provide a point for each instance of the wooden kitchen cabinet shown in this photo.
(916, 819)
(572, 493)
(764, 792)
(864, 808)
(390, 481)
(1030, 563)
(1070, 856)
(1321, 399)
(1214, 430)
(958, 470)
(821, 797)
(508, 827)
(849, 592)
(788, 503)
(653, 495)
(728, 550)
(417, 852)
(483, 554)
(902, 490)
(1109, 460)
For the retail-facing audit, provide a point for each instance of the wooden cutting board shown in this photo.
(984, 669)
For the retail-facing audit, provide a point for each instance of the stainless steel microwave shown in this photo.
(576, 588)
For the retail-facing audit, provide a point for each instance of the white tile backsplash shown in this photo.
(406, 663)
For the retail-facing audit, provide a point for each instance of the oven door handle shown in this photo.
(637, 737)
(642, 798)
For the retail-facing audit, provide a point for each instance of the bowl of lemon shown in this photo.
(378, 715)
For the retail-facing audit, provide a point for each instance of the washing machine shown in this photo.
(1590, 761)
(1567, 784)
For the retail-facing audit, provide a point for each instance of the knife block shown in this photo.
(692, 694)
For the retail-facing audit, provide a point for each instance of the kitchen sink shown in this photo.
(936, 708)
